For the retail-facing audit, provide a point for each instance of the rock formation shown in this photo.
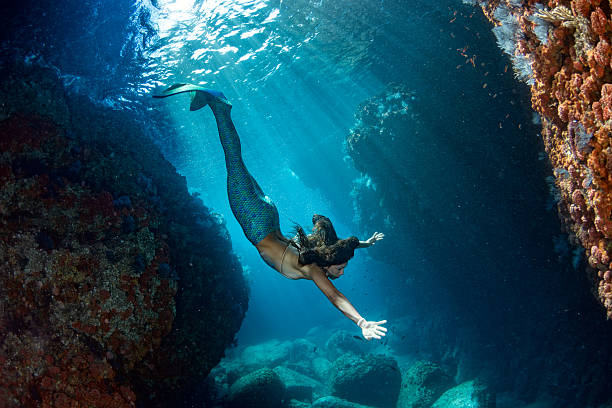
(117, 286)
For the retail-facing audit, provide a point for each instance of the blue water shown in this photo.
(474, 253)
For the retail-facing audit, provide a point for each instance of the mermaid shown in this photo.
(320, 256)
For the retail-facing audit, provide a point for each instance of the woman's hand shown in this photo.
(372, 330)
(377, 236)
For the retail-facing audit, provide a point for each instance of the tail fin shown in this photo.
(173, 90)
(200, 97)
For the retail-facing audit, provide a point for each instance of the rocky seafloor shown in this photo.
(117, 287)
(335, 369)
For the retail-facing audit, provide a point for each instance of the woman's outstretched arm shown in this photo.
(369, 329)
(377, 236)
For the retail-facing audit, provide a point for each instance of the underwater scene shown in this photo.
(306, 203)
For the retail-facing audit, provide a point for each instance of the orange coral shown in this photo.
(599, 22)
(581, 6)
(606, 101)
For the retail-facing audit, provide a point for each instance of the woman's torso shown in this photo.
(282, 256)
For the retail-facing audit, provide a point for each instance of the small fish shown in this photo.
(358, 338)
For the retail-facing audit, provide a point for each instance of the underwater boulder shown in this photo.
(370, 379)
(298, 404)
(422, 384)
(294, 355)
(229, 370)
(342, 342)
(268, 354)
(470, 394)
(260, 389)
(321, 367)
(302, 350)
(302, 356)
(335, 402)
(297, 386)
(92, 312)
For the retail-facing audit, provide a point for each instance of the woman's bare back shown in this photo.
(282, 256)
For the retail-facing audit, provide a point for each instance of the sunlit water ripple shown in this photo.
(250, 41)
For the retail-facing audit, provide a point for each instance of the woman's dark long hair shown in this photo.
(323, 247)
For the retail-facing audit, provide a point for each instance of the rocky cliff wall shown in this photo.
(117, 287)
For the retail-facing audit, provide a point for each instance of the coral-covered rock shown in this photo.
(108, 294)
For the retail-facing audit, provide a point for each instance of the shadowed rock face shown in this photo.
(568, 54)
(116, 285)
(467, 208)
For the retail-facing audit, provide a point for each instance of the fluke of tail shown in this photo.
(200, 97)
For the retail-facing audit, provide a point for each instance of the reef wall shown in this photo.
(562, 50)
(117, 287)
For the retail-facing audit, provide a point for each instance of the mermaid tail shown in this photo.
(200, 97)
(253, 209)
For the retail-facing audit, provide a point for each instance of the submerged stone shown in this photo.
(335, 402)
(470, 394)
(297, 386)
(422, 384)
(260, 389)
(371, 379)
